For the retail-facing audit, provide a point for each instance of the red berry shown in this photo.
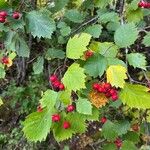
(114, 97)
(135, 127)
(3, 14)
(56, 84)
(61, 87)
(112, 92)
(108, 95)
(88, 54)
(56, 118)
(16, 15)
(53, 78)
(101, 90)
(107, 86)
(66, 125)
(5, 60)
(2, 19)
(70, 108)
(118, 142)
(39, 108)
(103, 120)
(96, 86)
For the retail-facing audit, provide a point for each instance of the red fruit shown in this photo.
(66, 125)
(96, 86)
(118, 142)
(56, 118)
(88, 54)
(61, 87)
(103, 120)
(101, 90)
(108, 95)
(70, 108)
(114, 97)
(53, 78)
(135, 127)
(2, 19)
(5, 60)
(16, 15)
(3, 14)
(107, 86)
(39, 108)
(112, 92)
(56, 84)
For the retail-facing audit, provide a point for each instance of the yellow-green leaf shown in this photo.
(116, 75)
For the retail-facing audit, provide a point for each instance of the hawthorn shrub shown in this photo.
(85, 65)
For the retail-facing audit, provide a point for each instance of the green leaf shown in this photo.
(128, 145)
(135, 96)
(74, 78)
(134, 16)
(109, 17)
(49, 99)
(126, 35)
(115, 61)
(94, 30)
(37, 126)
(1, 102)
(107, 49)
(58, 5)
(110, 147)
(38, 65)
(74, 16)
(15, 42)
(2, 73)
(146, 40)
(77, 45)
(40, 24)
(84, 106)
(122, 127)
(65, 97)
(132, 136)
(53, 53)
(137, 60)
(77, 121)
(109, 131)
(101, 3)
(96, 65)
(65, 31)
(116, 75)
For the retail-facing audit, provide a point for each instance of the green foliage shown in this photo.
(40, 24)
(109, 131)
(126, 35)
(38, 65)
(146, 40)
(96, 65)
(110, 147)
(136, 96)
(83, 106)
(72, 76)
(74, 16)
(77, 45)
(137, 60)
(128, 145)
(94, 30)
(2, 72)
(37, 125)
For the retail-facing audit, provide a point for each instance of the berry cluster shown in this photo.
(56, 83)
(88, 54)
(4, 14)
(118, 142)
(143, 4)
(39, 108)
(135, 127)
(107, 89)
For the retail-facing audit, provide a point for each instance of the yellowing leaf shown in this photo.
(1, 102)
(10, 62)
(116, 75)
(74, 78)
(77, 45)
